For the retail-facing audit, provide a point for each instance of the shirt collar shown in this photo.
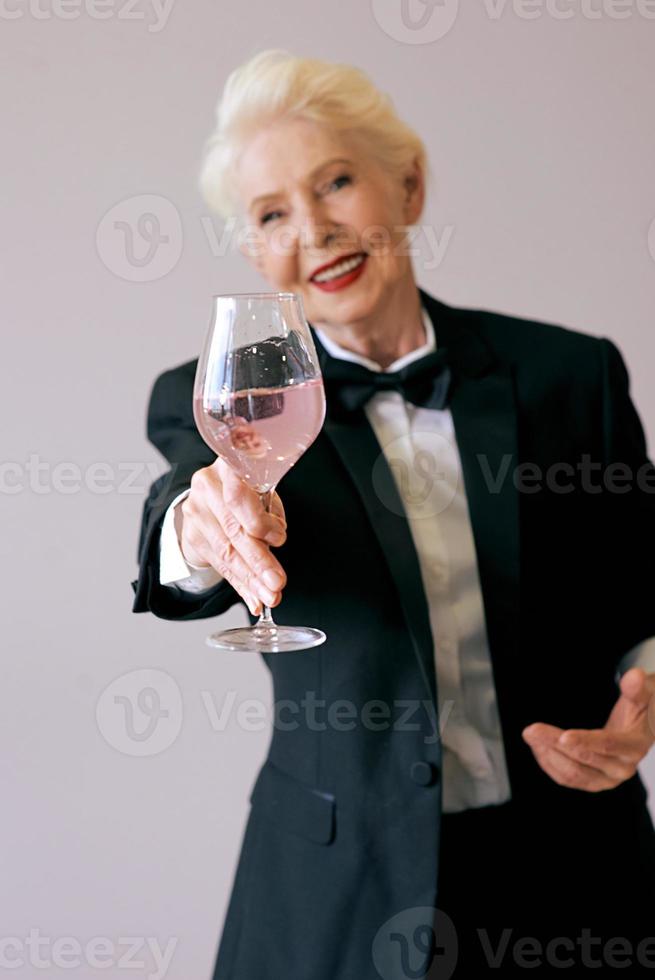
(346, 355)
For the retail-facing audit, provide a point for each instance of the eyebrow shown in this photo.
(322, 166)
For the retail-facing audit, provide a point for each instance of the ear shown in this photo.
(414, 186)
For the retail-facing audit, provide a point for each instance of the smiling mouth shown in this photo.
(340, 269)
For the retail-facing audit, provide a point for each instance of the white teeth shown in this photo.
(339, 270)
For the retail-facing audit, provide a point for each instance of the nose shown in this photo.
(316, 229)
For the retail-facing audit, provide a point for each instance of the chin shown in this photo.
(348, 306)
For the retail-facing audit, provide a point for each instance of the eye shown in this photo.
(266, 217)
(340, 178)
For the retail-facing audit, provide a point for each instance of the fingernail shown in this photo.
(275, 537)
(272, 579)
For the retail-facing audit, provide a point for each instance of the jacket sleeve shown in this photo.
(629, 521)
(172, 430)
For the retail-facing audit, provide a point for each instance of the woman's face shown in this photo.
(311, 197)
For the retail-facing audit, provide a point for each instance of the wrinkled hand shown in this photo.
(224, 525)
(600, 758)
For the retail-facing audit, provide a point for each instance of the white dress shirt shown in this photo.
(420, 448)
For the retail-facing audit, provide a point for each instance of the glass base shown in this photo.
(267, 639)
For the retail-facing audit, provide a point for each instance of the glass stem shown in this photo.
(265, 617)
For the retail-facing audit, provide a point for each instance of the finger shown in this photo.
(254, 552)
(261, 564)
(247, 506)
(610, 765)
(571, 774)
(542, 734)
(637, 686)
(208, 538)
(194, 540)
(253, 603)
(277, 508)
(601, 742)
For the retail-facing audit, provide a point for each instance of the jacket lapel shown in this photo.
(483, 407)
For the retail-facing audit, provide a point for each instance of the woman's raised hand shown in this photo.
(225, 526)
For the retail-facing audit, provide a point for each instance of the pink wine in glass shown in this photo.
(262, 432)
(259, 403)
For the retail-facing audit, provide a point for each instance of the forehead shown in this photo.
(286, 153)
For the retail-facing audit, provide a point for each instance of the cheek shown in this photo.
(279, 267)
(386, 248)
(382, 233)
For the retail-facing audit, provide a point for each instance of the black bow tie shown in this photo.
(425, 382)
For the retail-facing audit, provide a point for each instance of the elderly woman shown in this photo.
(455, 772)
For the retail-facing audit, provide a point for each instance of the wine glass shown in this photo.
(259, 403)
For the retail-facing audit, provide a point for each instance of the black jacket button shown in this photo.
(423, 773)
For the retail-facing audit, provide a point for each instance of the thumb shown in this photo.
(635, 687)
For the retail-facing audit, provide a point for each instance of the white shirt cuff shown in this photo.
(643, 655)
(173, 567)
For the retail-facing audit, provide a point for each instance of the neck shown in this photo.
(386, 334)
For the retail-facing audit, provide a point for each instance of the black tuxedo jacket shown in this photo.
(343, 830)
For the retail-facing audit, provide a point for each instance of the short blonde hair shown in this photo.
(276, 84)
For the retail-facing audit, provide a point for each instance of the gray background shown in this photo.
(539, 133)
